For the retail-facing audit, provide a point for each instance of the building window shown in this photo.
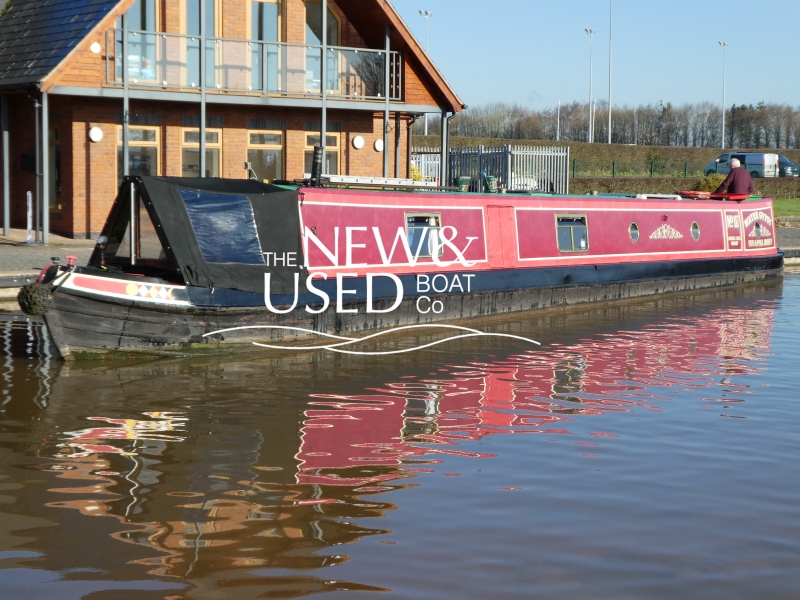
(54, 193)
(213, 28)
(190, 152)
(142, 47)
(266, 25)
(143, 144)
(422, 230)
(331, 162)
(572, 233)
(314, 38)
(265, 154)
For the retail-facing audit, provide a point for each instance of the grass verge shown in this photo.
(787, 207)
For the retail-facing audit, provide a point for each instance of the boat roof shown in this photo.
(219, 233)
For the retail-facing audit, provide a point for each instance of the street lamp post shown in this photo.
(609, 71)
(724, 59)
(427, 15)
(590, 32)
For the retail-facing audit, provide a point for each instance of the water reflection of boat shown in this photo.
(210, 465)
(180, 259)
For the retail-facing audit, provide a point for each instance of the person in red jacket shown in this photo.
(738, 180)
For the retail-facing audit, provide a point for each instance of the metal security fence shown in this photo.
(530, 168)
(609, 168)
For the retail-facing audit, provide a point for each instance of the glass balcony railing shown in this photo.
(167, 60)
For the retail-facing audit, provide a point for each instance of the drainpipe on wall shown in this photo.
(6, 169)
(37, 142)
(46, 183)
(445, 150)
(411, 122)
(397, 132)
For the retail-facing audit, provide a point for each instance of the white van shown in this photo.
(757, 164)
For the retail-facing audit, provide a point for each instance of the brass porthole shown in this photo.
(695, 231)
(633, 231)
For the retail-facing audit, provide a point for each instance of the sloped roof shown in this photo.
(36, 35)
(369, 16)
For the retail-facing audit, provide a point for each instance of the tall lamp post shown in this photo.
(609, 71)
(590, 32)
(427, 15)
(724, 59)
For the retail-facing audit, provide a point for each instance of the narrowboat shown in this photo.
(206, 265)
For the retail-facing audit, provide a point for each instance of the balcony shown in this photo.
(172, 61)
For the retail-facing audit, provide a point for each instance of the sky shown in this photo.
(536, 52)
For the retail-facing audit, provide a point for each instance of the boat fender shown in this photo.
(34, 299)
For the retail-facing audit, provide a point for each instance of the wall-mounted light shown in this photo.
(95, 48)
(378, 145)
(95, 134)
(358, 142)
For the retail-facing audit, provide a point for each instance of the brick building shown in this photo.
(252, 68)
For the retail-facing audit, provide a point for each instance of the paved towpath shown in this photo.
(25, 259)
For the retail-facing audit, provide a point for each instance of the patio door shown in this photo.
(314, 38)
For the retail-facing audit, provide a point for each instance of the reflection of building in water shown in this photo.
(214, 490)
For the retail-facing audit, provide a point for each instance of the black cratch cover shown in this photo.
(219, 230)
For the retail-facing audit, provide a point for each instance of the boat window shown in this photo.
(224, 226)
(695, 231)
(572, 233)
(634, 232)
(422, 230)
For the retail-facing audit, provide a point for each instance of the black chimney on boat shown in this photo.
(316, 167)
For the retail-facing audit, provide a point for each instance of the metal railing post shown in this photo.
(202, 145)
(387, 33)
(323, 85)
(125, 98)
(574, 168)
(613, 168)
(685, 170)
(652, 168)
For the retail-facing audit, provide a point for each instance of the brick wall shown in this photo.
(89, 169)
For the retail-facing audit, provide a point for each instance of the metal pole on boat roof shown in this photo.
(6, 169)
(590, 32)
(724, 59)
(46, 183)
(387, 32)
(202, 135)
(133, 222)
(126, 163)
(609, 70)
(323, 85)
(37, 141)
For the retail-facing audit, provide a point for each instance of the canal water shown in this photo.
(644, 450)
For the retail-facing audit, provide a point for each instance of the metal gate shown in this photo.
(517, 168)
